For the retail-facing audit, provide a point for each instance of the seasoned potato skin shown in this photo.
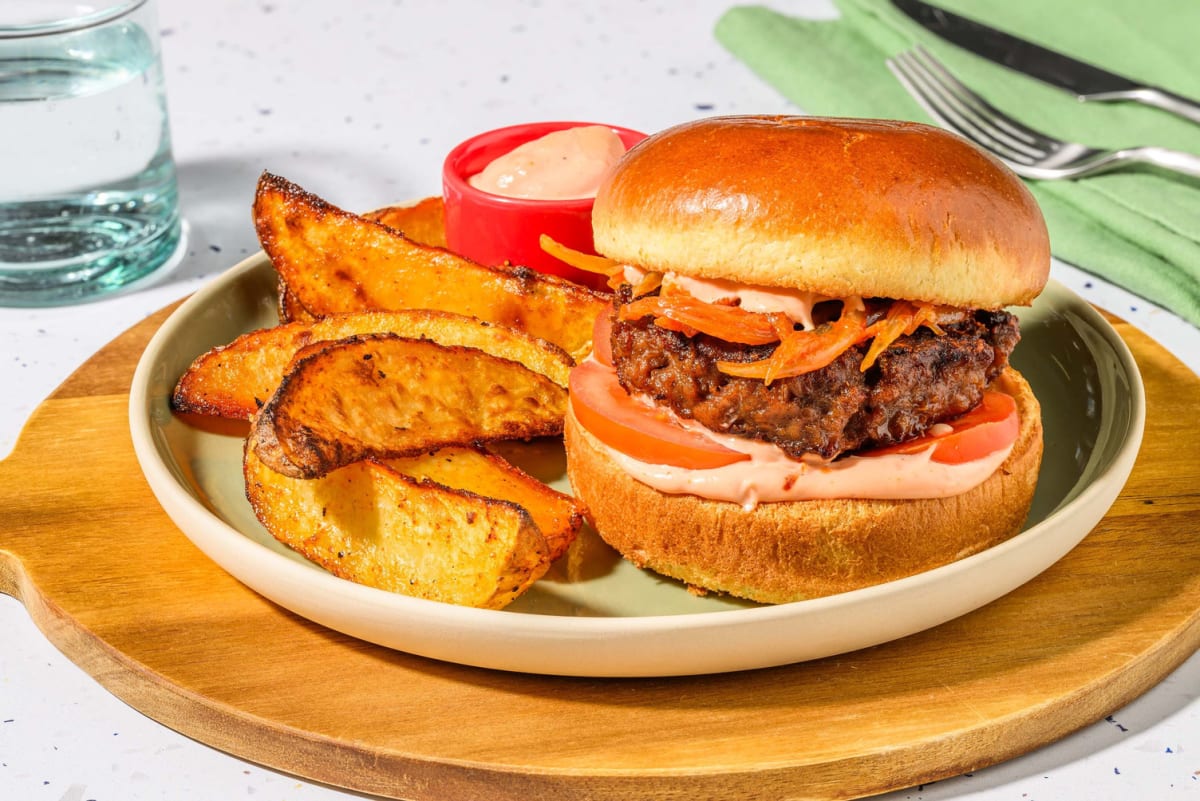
(235, 380)
(334, 261)
(371, 524)
(381, 395)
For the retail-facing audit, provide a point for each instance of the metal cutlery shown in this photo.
(1085, 81)
(1028, 152)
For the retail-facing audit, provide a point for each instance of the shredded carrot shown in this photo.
(903, 319)
(649, 283)
(801, 352)
(729, 323)
(583, 261)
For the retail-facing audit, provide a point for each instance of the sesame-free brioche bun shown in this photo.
(840, 207)
(790, 551)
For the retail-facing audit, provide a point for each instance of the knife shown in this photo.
(1085, 81)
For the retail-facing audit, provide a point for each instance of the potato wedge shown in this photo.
(558, 516)
(289, 307)
(381, 396)
(235, 380)
(334, 261)
(423, 222)
(373, 525)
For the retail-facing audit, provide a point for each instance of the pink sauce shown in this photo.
(562, 165)
(770, 475)
(795, 304)
(776, 477)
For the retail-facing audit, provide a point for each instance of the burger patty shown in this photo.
(920, 380)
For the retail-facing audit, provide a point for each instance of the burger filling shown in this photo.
(757, 394)
(932, 368)
(917, 381)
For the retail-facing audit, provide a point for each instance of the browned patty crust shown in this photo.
(920, 380)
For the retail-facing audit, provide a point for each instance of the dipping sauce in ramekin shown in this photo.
(493, 228)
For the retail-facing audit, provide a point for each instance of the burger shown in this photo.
(803, 386)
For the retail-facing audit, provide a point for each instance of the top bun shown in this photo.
(834, 206)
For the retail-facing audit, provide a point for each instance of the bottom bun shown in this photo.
(780, 552)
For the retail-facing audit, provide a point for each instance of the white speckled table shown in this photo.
(359, 101)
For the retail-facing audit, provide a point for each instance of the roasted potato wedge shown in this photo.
(382, 396)
(235, 380)
(423, 222)
(371, 524)
(557, 516)
(289, 307)
(333, 261)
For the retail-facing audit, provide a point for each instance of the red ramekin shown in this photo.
(493, 229)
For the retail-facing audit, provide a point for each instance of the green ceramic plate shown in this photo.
(596, 614)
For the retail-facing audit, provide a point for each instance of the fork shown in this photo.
(1029, 153)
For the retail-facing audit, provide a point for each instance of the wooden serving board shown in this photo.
(113, 584)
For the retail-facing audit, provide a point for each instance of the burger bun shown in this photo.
(838, 207)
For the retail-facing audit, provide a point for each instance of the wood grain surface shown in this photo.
(114, 585)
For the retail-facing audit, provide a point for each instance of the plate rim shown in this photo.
(182, 506)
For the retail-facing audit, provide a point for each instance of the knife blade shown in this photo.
(1087, 82)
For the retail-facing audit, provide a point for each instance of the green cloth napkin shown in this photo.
(1137, 229)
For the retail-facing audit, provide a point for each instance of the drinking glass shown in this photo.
(87, 183)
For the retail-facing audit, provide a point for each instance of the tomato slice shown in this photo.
(606, 410)
(602, 336)
(990, 426)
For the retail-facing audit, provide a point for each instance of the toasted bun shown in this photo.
(835, 206)
(781, 552)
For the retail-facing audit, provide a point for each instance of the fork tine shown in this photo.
(984, 110)
(925, 92)
(1028, 152)
(944, 106)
